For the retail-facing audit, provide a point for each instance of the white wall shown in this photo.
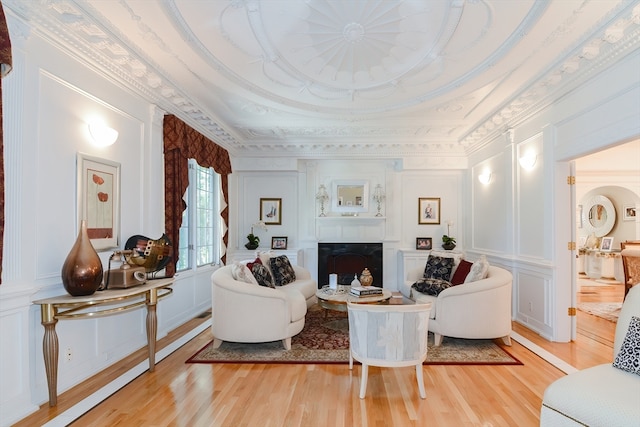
(524, 219)
(397, 229)
(48, 99)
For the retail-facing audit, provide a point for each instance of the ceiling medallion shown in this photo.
(353, 32)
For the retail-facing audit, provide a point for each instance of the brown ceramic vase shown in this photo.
(82, 270)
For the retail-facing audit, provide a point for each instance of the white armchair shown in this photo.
(244, 312)
(601, 395)
(475, 310)
(388, 336)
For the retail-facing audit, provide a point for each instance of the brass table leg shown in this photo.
(50, 349)
(152, 327)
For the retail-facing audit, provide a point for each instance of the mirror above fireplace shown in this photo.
(350, 196)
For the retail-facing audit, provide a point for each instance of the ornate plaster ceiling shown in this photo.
(317, 78)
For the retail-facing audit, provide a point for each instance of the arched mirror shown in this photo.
(599, 216)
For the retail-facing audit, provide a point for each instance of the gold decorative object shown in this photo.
(366, 279)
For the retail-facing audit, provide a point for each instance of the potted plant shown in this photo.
(448, 242)
(254, 241)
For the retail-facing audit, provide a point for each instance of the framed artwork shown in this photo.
(429, 210)
(629, 212)
(278, 243)
(271, 211)
(98, 193)
(606, 244)
(424, 243)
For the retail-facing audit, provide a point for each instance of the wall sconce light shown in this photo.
(485, 177)
(378, 197)
(528, 160)
(102, 135)
(322, 196)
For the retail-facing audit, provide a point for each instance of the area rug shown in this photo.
(326, 340)
(606, 310)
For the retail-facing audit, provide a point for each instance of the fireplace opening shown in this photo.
(347, 260)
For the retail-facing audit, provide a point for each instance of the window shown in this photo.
(201, 231)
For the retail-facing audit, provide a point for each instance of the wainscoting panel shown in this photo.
(532, 303)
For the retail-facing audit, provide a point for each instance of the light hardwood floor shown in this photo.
(180, 394)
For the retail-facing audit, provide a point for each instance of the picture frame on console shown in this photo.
(98, 192)
(424, 243)
(271, 211)
(279, 243)
(606, 244)
(428, 210)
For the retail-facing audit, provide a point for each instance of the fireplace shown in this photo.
(347, 260)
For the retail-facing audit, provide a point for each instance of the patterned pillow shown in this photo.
(628, 358)
(479, 270)
(431, 286)
(241, 272)
(264, 257)
(255, 261)
(438, 267)
(262, 275)
(282, 270)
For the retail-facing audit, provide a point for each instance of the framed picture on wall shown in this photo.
(271, 211)
(606, 244)
(424, 243)
(278, 243)
(98, 190)
(629, 213)
(429, 210)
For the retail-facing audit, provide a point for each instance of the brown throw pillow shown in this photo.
(461, 272)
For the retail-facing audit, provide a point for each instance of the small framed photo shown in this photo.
(424, 243)
(99, 199)
(606, 244)
(278, 243)
(429, 210)
(271, 211)
(629, 212)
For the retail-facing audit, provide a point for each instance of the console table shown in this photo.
(69, 307)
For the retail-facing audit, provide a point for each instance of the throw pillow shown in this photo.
(628, 358)
(431, 286)
(461, 272)
(241, 272)
(479, 270)
(282, 270)
(438, 268)
(262, 275)
(250, 264)
(265, 256)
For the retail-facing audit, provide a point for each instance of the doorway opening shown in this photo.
(607, 185)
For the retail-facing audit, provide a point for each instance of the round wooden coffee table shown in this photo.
(336, 299)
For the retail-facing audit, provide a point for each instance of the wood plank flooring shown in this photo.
(180, 394)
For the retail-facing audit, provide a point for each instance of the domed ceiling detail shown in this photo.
(318, 78)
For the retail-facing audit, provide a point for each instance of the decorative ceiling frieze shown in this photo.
(364, 77)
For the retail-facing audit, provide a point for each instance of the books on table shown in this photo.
(365, 291)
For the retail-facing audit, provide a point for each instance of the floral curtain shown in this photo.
(181, 143)
(5, 68)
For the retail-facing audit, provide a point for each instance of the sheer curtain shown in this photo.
(181, 143)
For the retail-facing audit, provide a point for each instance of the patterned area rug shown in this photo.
(606, 310)
(326, 340)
